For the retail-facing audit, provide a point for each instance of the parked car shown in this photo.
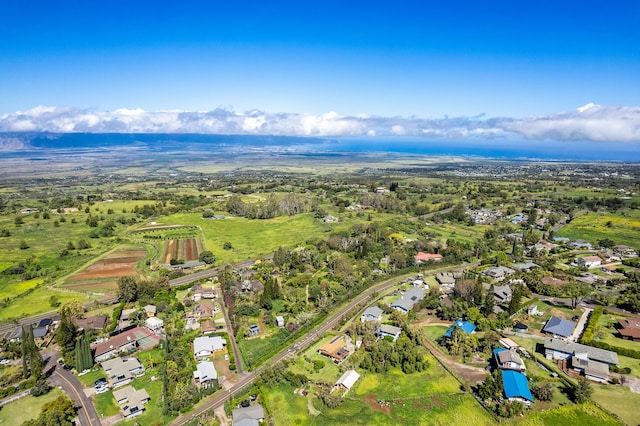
(101, 382)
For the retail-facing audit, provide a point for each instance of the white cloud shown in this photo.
(591, 122)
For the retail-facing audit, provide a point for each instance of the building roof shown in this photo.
(425, 257)
(208, 343)
(597, 369)
(515, 385)
(40, 332)
(333, 345)
(390, 329)
(505, 356)
(126, 313)
(45, 322)
(207, 326)
(372, 311)
(629, 328)
(205, 371)
(144, 338)
(520, 326)
(252, 412)
(445, 278)
(116, 367)
(95, 322)
(559, 326)
(154, 322)
(508, 343)
(409, 298)
(150, 309)
(465, 326)
(348, 379)
(525, 266)
(132, 395)
(590, 259)
(596, 354)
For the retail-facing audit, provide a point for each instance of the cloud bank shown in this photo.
(588, 123)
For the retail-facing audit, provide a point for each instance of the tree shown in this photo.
(516, 298)
(207, 257)
(542, 391)
(127, 289)
(18, 221)
(489, 301)
(58, 412)
(583, 391)
(577, 292)
(72, 309)
(25, 355)
(66, 339)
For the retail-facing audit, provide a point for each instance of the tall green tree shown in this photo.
(25, 354)
(66, 339)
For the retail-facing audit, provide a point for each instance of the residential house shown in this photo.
(543, 246)
(254, 330)
(205, 374)
(580, 244)
(589, 261)
(593, 362)
(516, 387)
(125, 320)
(248, 416)
(150, 310)
(410, 297)
(372, 313)
(347, 380)
(131, 401)
(507, 359)
(39, 333)
(279, 321)
(126, 341)
(624, 251)
(205, 309)
(527, 266)
(205, 346)
(465, 326)
(559, 327)
(389, 330)
(446, 280)
(122, 370)
(154, 325)
(208, 326)
(426, 257)
(498, 272)
(336, 349)
(502, 294)
(629, 329)
(96, 322)
(208, 293)
(196, 295)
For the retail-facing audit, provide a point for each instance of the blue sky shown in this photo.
(389, 59)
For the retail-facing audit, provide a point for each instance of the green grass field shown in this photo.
(26, 408)
(37, 302)
(582, 415)
(619, 400)
(622, 228)
(607, 333)
(13, 289)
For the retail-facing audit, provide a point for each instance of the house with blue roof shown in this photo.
(516, 387)
(465, 326)
(559, 327)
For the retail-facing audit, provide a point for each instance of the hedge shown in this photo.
(587, 336)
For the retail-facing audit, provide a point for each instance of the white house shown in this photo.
(589, 261)
(154, 325)
(205, 346)
(389, 330)
(205, 373)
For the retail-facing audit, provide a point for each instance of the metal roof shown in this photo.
(559, 326)
(595, 354)
(515, 385)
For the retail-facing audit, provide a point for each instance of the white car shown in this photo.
(5, 361)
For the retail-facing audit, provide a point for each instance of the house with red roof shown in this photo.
(425, 257)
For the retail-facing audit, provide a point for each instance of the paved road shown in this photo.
(248, 378)
(70, 384)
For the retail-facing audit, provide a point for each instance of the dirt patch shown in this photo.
(465, 372)
(436, 401)
(558, 313)
(115, 265)
(378, 405)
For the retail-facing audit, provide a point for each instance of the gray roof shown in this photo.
(205, 371)
(389, 329)
(372, 311)
(253, 412)
(595, 354)
(409, 298)
(208, 343)
(559, 326)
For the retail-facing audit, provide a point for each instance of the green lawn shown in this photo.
(619, 400)
(14, 289)
(26, 408)
(582, 415)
